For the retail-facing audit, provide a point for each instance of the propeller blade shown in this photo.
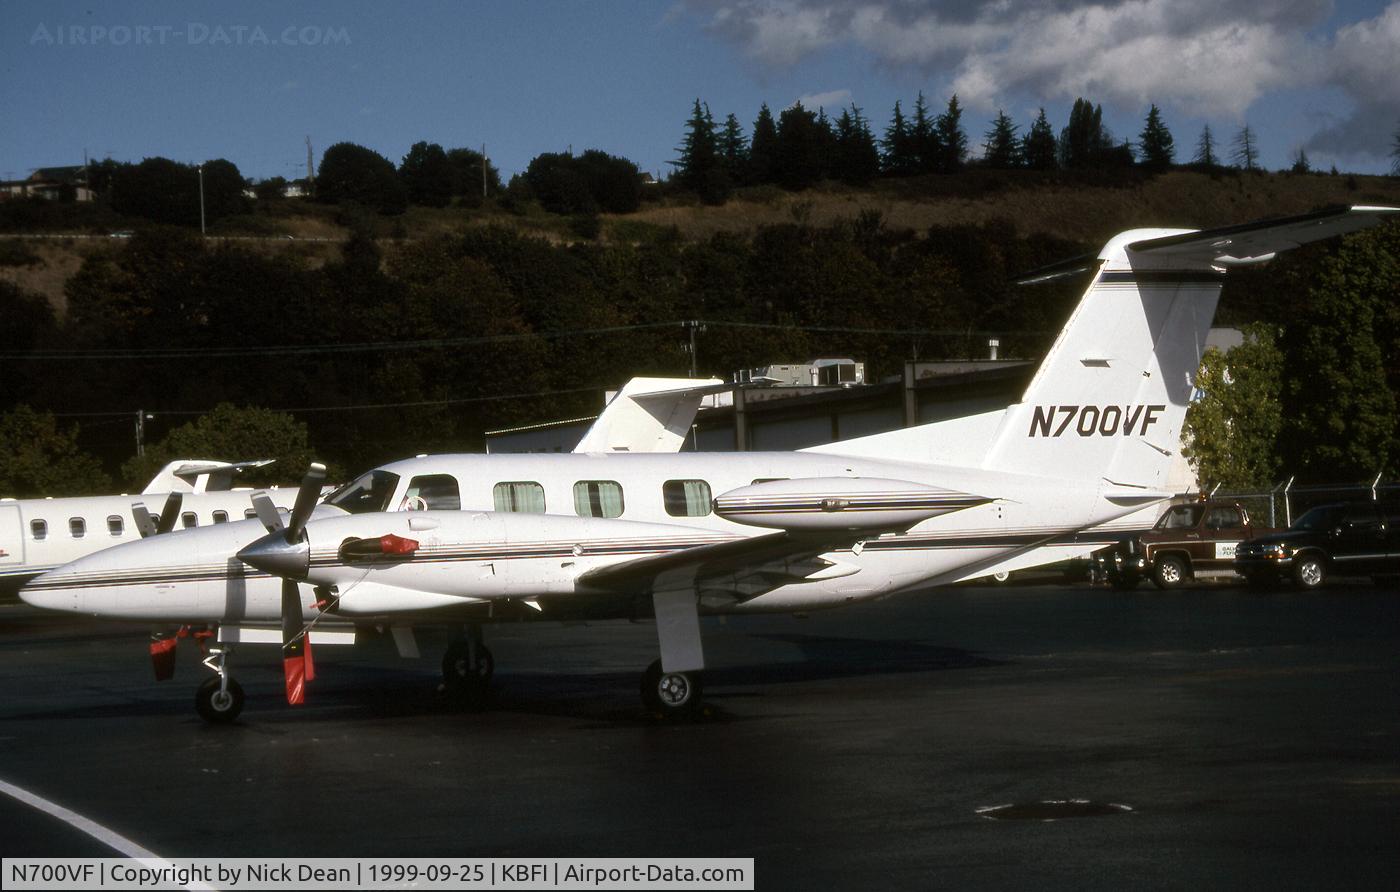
(295, 651)
(142, 516)
(170, 513)
(306, 500)
(267, 512)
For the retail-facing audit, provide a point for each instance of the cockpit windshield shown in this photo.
(366, 493)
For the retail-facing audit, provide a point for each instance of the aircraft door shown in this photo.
(11, 536)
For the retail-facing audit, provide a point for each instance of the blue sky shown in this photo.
(249, 82)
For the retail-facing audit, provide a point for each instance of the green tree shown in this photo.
(924, 144)
(1339, 406)
(733, 148)
(898, 155)
(952, 141)
(235, 434)
(1158, 151)
(1246, 154)
(168, 192)
(1038, 148)
(1001, 149)
(1205, 150)
(1395, 153)
(271, 189)
(1232, 431)
(471, 171)
(614, 183)
(800, 150)
(39, 458)
(855, 160)
(427, 175)
(355, 174)
(763, 148)
(1300, 163)
(1084, 142)
(699, 160)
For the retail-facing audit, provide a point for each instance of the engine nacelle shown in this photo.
(840, 503)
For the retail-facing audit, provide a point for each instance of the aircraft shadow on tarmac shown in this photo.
(354, 690)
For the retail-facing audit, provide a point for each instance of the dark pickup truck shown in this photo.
(1196, 540)
(1357, 539)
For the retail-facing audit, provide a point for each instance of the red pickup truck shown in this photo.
(1192, 541)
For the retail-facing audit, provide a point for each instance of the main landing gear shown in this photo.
(467, 668)
(671, 693)
(219, 700)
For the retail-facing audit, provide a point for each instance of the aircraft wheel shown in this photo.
(670, 693)
(1169, 572)
(1309, 571)
(1002, 577)
(457, 669)
(218, 707)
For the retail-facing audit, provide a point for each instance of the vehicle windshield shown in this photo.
(366, 493)
(1182, 517)
(1323, 518)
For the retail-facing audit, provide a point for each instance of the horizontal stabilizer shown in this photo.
(1259, 241)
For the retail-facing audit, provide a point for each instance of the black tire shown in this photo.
(675, 693)
(216, 708)
(1169, 572)
(1309, 571)
(1259, 579)
(1124, 582)
(456, 669)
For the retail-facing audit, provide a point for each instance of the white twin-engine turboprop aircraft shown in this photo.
(470, 539)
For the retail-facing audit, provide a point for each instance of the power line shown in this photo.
(443, 343)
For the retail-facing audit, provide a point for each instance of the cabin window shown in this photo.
(433, 492)
(686, 498)
(115, 525)
(222, 516)
(39, 529)
(188, 520)
(250, 513)
(525, 497)
(598, 498)
(77, 526)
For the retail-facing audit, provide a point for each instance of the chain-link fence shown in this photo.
(1284, 503)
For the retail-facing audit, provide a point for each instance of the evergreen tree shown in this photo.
(1001, 149)
(1158, 152)
(898, 158)
(1205, 150)
(699, 157)
(1038, 148)
(951, 138)
(763, 163)
(799, 151)
(467, 179)
(924, 144)
(1300, 163)
(355, 174)
(1246, 155)
(1084, 143)
(734, 149)
(856, 160)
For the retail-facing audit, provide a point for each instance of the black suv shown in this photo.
(1356, 539)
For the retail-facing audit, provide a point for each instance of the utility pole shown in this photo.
(310, 171)
(141, 419)
(483, 170)
(693, 348)
(201, 199)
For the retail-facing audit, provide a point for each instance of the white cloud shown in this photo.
(1213, 58)
(830, 99)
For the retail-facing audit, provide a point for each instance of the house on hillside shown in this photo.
(53, 183)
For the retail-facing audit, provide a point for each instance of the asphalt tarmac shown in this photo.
(1213, 737)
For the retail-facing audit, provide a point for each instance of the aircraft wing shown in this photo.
(740, 568)
(1261, 240)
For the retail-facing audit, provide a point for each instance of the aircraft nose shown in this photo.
(274, 554)
(49, 593)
